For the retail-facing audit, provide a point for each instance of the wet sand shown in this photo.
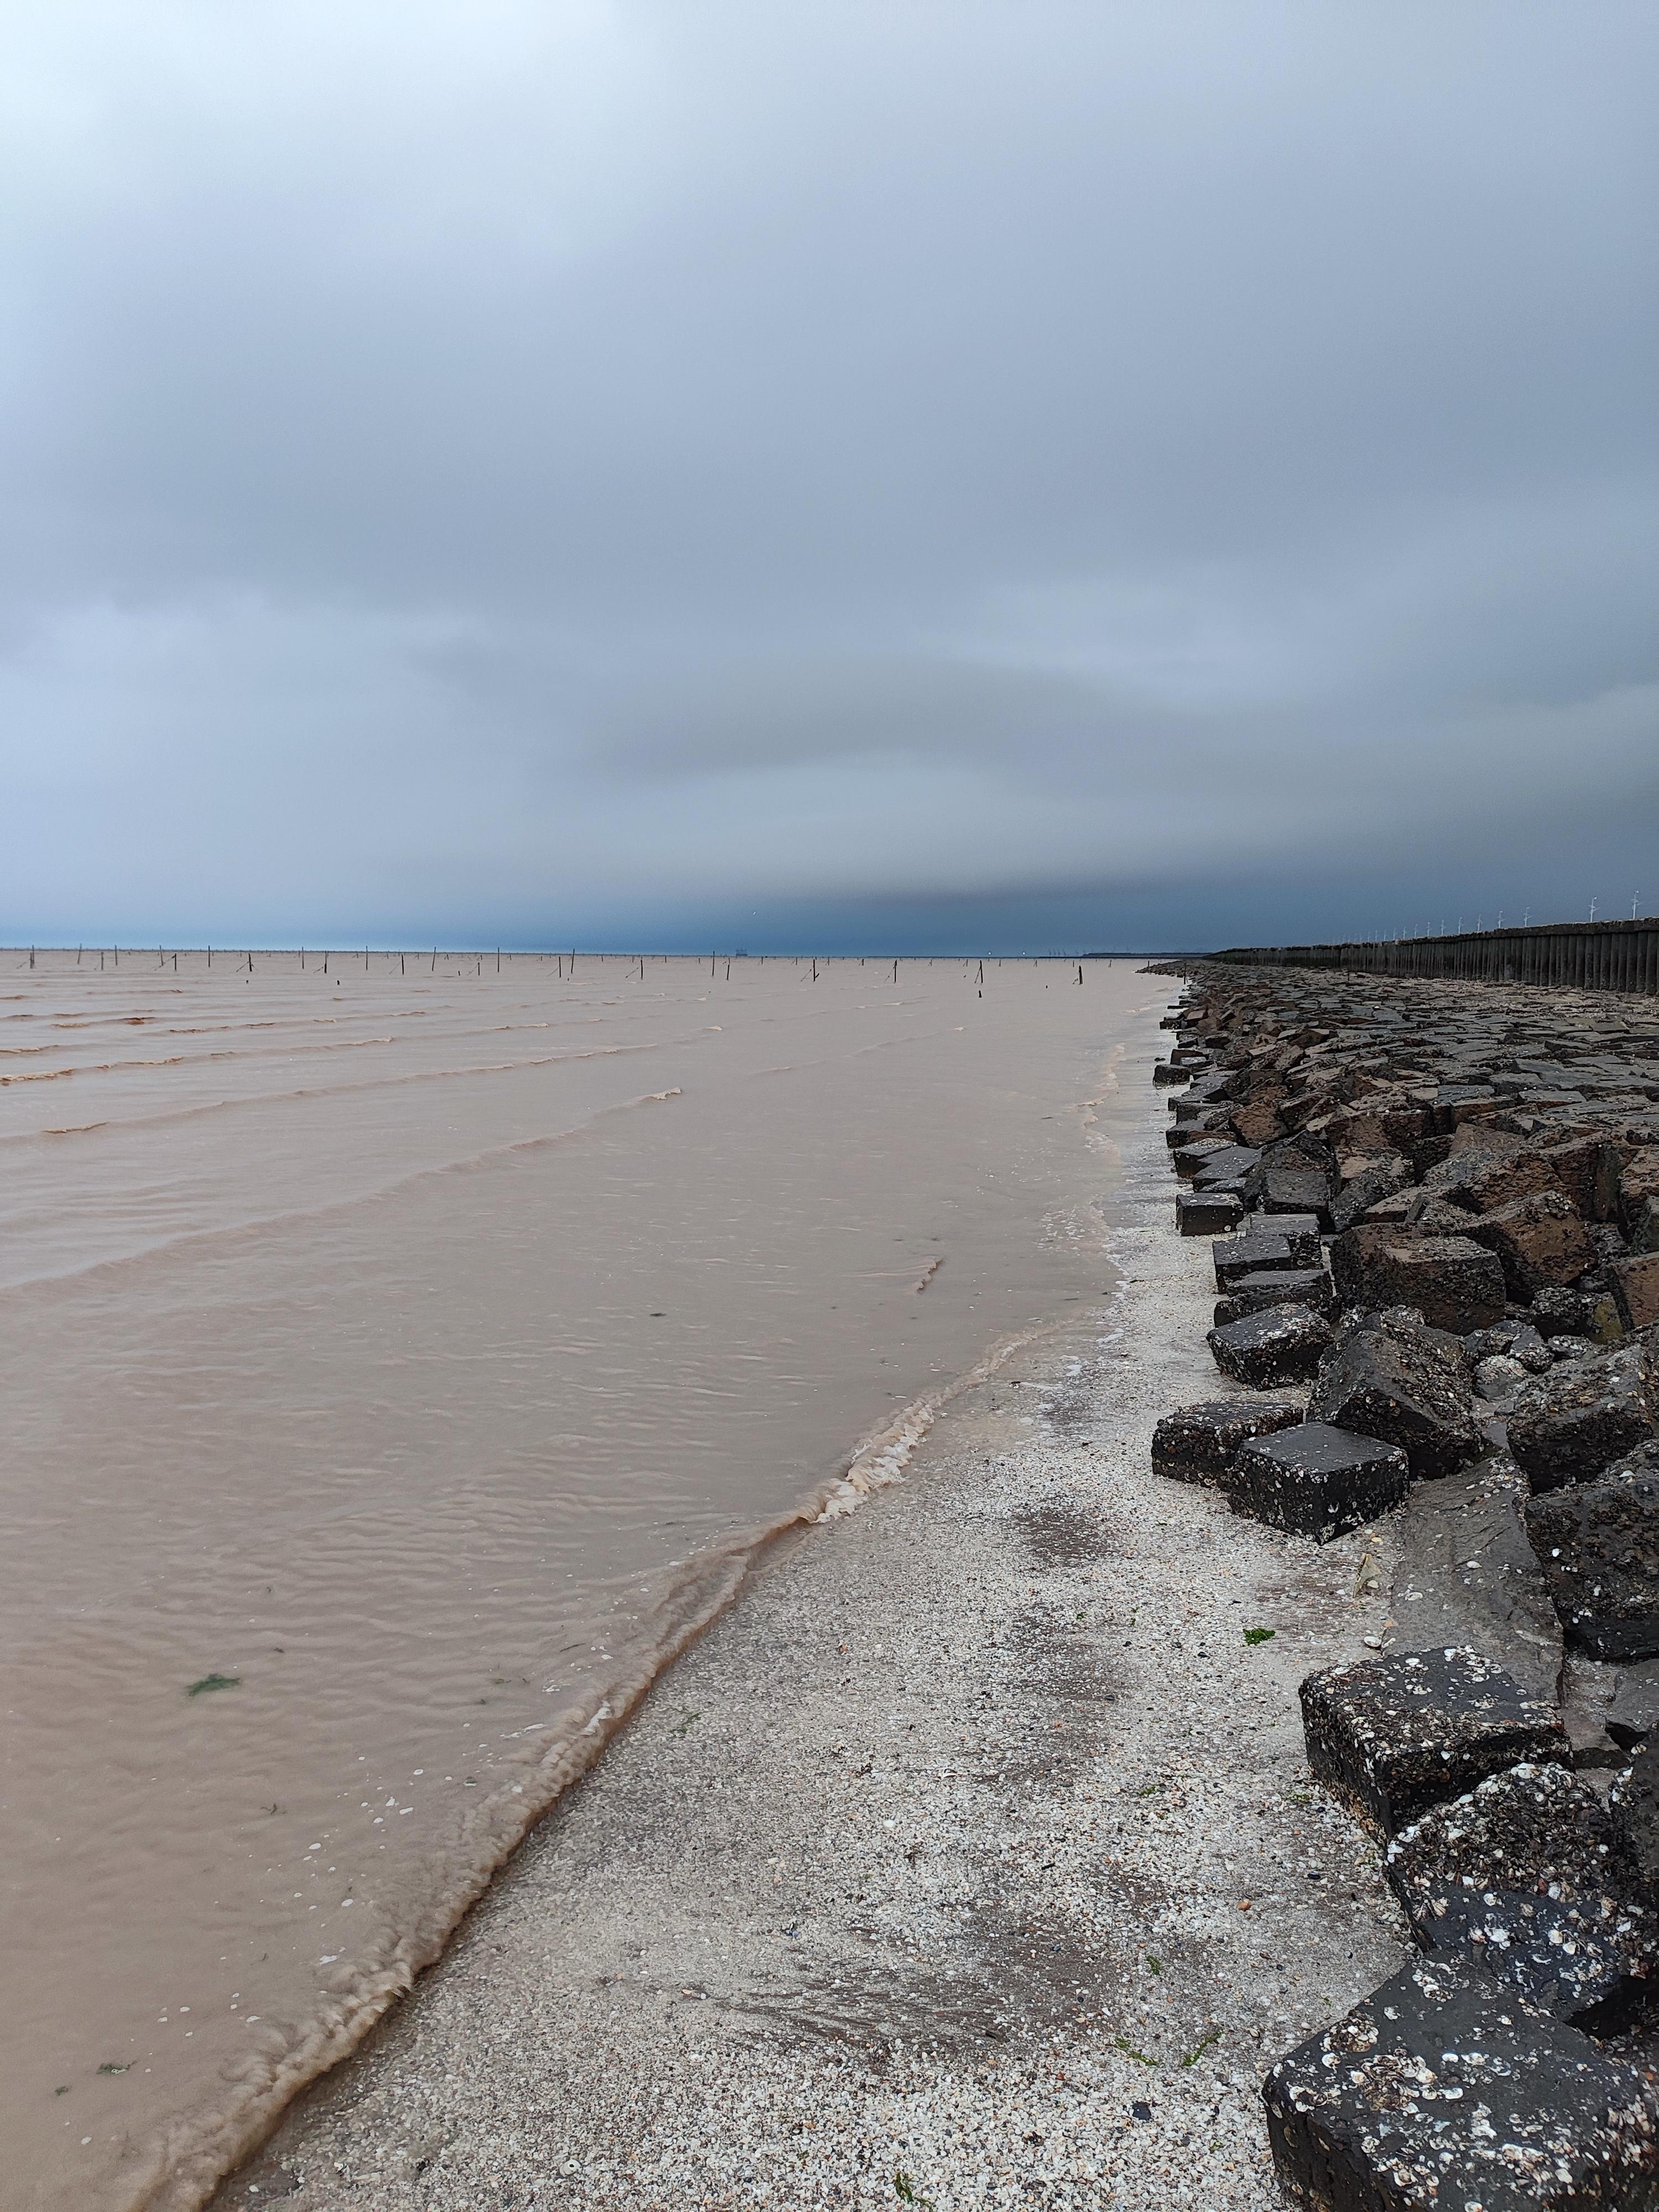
(409, 1361)
(973, 1848)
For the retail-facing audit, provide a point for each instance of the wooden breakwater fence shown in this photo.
(1585, 956)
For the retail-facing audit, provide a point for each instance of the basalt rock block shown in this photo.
(1598, 1546)
(1300, 1231)
(1203, 1121)
(1249, 1294)
(1591, 1313)
(1433, 1216)
(1633, 1803)
(1316, 1481)
(1457, 1104)
(1256, 1122)
(1444, 2092)
(1282, 1345)
(1188, 1112)
(1587, 1170)
(1388, 1376)
(1498, 1381)
(1255, 1253)
(1199, 1444)
(1539, 1240)
(1515, 1339)
(1454, 1283)
(1187, 1159)
(1427, 1153)
(1296, 1188)
(1570, 1425)
(1207, 1212)
(1525, 1877)
(1231, 1163)
(1391, 1737)
(1634, 1284)
(1638, 1183)
(1483, 1180)
(1374, 1183)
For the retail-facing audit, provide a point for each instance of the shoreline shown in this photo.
(915, 1866)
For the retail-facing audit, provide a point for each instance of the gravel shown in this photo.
(970, 1860)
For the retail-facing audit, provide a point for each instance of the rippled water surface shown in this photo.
(400, 1363)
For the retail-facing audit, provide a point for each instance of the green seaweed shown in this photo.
(1260, 1635)
(213, 1682)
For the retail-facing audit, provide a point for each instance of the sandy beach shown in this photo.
(970, 1859)
(403, 1361)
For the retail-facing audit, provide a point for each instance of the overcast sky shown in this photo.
(994, 474)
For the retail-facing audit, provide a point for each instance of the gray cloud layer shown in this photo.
(1020, 473)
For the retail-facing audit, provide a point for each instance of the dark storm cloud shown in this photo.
(1147, 473)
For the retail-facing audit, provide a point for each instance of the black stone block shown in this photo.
(1187, 1159)
(1525, 1877)
(1195, 1111)
(1300, 1231)
(1314, 1481)
(1290, 1286)
(1200, 1442)
(1387, 1376)
(1444, 2092)
(1231, 1164)
(1577, 1313)
(1598, 1546)
(1393, 1736)
(1255, 1253)
(1297, 1188)
(1567, 1426)
(1282, 1345)
(1201, 1121)
(1453, 1284)
(1208, 1214)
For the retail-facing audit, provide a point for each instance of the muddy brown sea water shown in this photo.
(402, 1362)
